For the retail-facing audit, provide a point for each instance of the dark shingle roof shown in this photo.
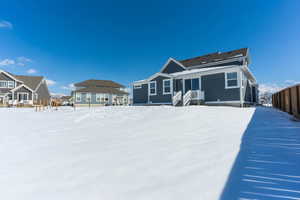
(108, 90)
(101, 83)
(31, 81)
(214, 57)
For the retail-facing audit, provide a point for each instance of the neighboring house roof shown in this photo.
(214, 57)
(66, 97)
(109, 90)
(31, 81)
(101, 83)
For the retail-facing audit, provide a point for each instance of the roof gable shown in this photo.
(172, 66)
(31, 81)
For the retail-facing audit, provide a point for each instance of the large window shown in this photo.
(231, 80)
(167, 86)
(152, 88)
(7, 84)
(3, 84)
(195, 84)
(22, 96)
(98, 97)
(88, 97)
(78, 97)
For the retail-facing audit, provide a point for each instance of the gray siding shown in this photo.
(5, 77)
(43, 93)
(160, 97)
(23, 89)
(140, 95)
(214, 88)
(172, 67)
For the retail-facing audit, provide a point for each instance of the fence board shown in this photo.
(288, 100)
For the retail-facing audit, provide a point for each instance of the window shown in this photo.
(88, 97)
(22, 96)
(11, 84)
(98, 97)
(195, 84)
(3, 84)
(152, 88)
(231, 80)
(167, 86)
(137, 86)
(78, 97)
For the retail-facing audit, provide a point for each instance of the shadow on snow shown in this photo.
(268, 164)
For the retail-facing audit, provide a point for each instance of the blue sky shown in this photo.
(70, 41)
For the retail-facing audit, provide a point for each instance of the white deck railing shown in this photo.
(176, 98)
(197, 95)
(187, 97)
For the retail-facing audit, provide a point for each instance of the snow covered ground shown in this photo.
(120, 153)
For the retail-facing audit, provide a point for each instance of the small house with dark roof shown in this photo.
(99, 92)
(216, 79)
(25, 90)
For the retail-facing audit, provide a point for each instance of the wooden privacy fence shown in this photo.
(288, 100)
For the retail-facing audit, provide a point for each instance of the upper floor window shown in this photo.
(231, 80)
(11, 84)
(167, 86)
(7, 84)
(152, 88)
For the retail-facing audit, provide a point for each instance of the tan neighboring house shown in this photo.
(99, 92)
(22, 90)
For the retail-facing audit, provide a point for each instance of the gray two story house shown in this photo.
(25, 90)
(99, 92)
(216, 79)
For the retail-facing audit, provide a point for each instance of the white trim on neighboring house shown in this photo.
(27, 96)
(158, 74)
(39, 85)
(170, 92)
(7, 84)
(168, 61)
(149, 89)
(78, 94)
(10, 76)
(22, 85)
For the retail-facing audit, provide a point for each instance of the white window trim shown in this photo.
(237, 80)
(4, 82)
(165, 80)
(98, 97)
(154, 88)
(78, 96)
(137, 86)
(88, 97)
(23, 93)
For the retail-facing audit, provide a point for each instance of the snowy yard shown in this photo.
(148, 153)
